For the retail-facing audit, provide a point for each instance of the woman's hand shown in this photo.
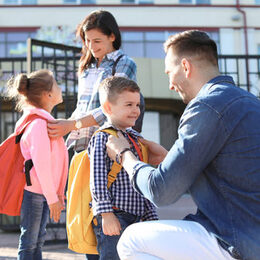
(156, 153)
(110, 224)
(55, 210)
(60, 127)
(116, 144)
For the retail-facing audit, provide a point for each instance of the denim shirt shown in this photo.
(217, 159)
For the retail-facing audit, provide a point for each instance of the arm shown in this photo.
(201, 136)
(101, 201)
(40, 151)
(156, 152)
(61, 127)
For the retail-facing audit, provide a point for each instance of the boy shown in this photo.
(121, 205)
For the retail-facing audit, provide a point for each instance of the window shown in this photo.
(20, 2)
(150, 43)
(197, 2)
(78, 2)
(257, 2)
(137, 1)
(185, 1)
(13, 44)
(202, 2)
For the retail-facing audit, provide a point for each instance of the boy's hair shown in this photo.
(112, 86)
(28, 89)
(192, 43)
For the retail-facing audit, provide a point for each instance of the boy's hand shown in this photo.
(110, 224)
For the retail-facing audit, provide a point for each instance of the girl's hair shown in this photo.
(103, 21)
(29, 89)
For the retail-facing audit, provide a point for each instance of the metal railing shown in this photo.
(63, 61)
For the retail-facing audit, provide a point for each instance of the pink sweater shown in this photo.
(49, 156)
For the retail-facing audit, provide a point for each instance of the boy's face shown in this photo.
(125, 110)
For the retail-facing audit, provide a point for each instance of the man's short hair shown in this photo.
(193, 43)
(110, 87)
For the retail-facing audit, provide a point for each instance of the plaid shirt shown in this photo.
(88, 97)
(121, 194)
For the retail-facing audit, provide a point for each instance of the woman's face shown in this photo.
(98, 43)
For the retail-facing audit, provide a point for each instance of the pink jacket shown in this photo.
(49, 156)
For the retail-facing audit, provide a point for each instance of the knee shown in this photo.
(127, 243)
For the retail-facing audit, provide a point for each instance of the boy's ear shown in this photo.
(106, 108)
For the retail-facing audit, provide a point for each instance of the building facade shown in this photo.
(145, 25)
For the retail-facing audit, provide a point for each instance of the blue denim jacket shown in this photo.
(217, 159)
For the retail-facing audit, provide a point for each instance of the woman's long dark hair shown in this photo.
(103, 21)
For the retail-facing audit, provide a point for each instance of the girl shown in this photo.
(37, 94)
(101, 55)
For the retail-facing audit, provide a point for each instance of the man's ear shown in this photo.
(186, 65)
(106, 108)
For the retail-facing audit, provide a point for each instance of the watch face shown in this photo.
(78, 124)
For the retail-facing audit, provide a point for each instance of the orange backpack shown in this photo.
(12, 174)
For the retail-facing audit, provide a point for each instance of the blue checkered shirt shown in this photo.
(121, 194)
(88, 97)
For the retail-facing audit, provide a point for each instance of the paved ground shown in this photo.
(9, 240)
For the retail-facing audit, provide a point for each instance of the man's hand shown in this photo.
(60, 127)
(110, 224)
(156, 153)
(55, 210)
(116, 145)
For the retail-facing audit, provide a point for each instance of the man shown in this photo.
(216, 158)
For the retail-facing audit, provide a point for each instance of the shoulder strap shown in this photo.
(28, 121)
(143, 152)
(28, 163)
(115, 63)
(116, 168)
(136, 147)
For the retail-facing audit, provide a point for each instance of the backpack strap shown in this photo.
(28, 163)
(116, 168)
(27, 167)
(115, 63)
(136, 147)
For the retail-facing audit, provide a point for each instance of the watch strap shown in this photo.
(119, 155)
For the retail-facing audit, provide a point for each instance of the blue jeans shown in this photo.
(92, 257)
(34, 217)
(106, 245)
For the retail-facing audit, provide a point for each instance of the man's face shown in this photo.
(174, 68)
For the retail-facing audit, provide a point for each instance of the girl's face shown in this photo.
(56, 94)
(98, 43)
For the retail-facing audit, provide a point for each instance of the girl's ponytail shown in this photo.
(25, 89)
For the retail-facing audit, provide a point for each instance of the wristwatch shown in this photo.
(78, 124)
(119, 155)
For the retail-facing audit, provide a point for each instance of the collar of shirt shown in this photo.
(129, 130)
(112, 56)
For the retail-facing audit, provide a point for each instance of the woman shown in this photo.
(101, 58)
(101, 55)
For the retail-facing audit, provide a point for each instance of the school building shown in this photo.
(145, 25)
